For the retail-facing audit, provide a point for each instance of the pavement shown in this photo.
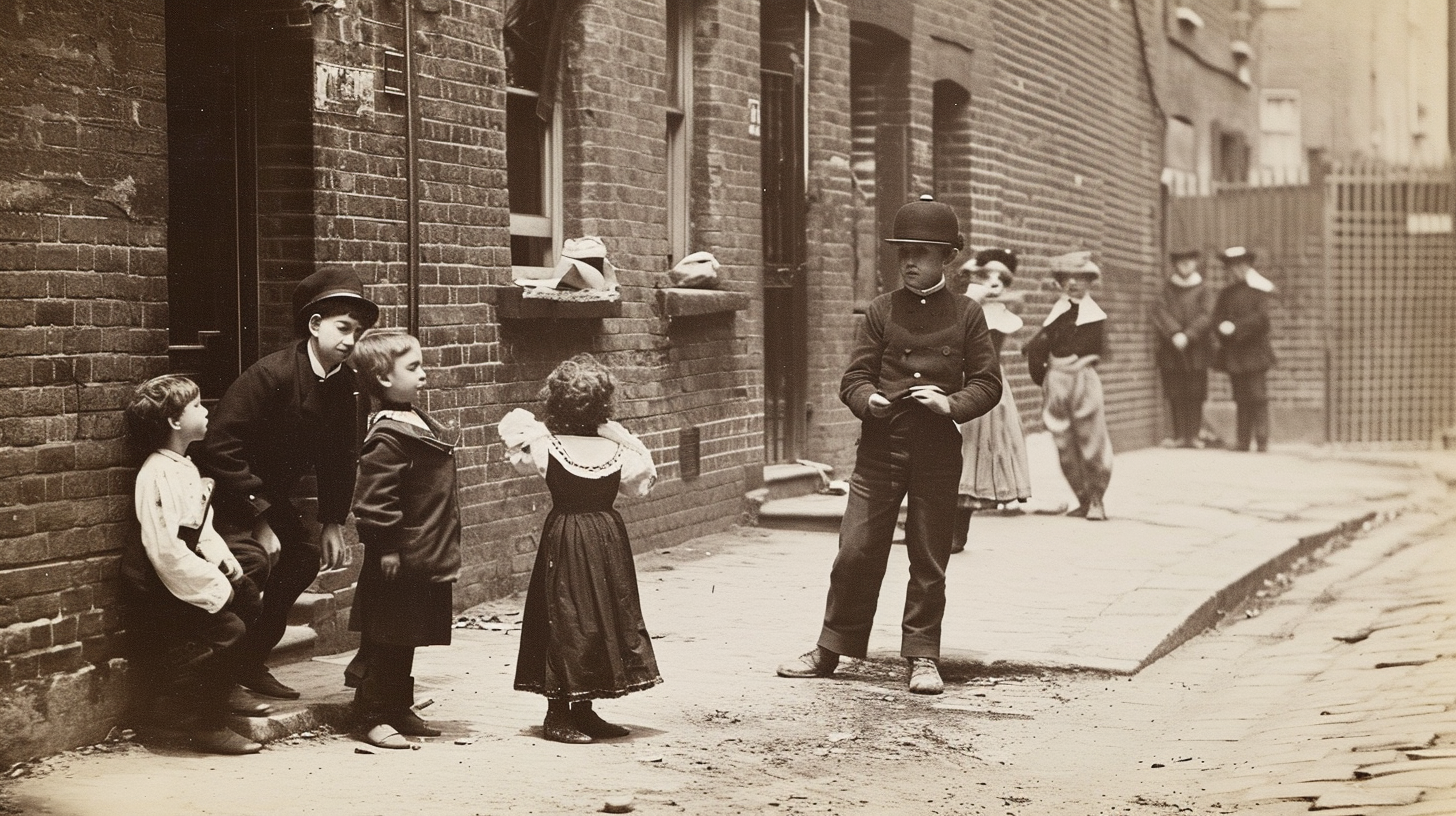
(1192, 536)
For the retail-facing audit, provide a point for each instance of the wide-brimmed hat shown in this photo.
(332, 284)
(583, 265)
(995, 258)
(926, 221)
(1075, 263)
(1236, 254)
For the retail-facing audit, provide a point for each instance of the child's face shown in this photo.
(192, 424)
(923, 265)
(1187, 267)
(993, 285)
(406, 378)
(1076, 286)
(333, 338)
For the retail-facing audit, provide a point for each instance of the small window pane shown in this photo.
(525, 149)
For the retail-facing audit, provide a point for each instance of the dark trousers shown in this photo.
(917, 452)
(191, 654)
(1251, 408)
(1186, 392)
(281, 583)
(381, 674)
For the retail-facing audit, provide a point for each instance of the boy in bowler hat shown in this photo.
(922, 361)
(1182, 329)
(293, 413)
(1241, 318)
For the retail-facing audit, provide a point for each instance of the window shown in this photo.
(1232, 160)
(533, 144)
(680, 24)
(1279, 133)
(1180, 151)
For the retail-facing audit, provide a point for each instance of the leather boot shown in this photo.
(559, 727)
(401, 713)
(590, 723)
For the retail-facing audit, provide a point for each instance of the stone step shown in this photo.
(819, 512)
(791, 479)
(306, 609)
(297, 644)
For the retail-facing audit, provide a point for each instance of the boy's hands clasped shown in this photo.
(931, 396)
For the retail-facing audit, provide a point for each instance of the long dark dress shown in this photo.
(582, 634)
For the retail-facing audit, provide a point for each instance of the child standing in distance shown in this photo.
(582, 633)
(1241, 318)
(1182, 319)
(993, 449)
(292, 413)
(187, 597)
(409, 522)
(1062, 358)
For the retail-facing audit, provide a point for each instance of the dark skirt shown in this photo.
(403, 611)
(582, 633)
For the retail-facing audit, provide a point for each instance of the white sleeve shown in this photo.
(639, 474)
(161, 494)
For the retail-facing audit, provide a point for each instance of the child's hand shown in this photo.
(879, 404)
(1180, 341)
(931, 397)
(331, 541)
(389, 565)
(1226, 328)
(266, 538)
(231, 569)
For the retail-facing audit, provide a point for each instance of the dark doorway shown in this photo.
(785, 297)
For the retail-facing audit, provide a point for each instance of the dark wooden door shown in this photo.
(785, 297)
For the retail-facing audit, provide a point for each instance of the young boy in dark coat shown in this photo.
(1182, 323)
(409, 520)
(923, 361)
(292, 413)
(1241, 318)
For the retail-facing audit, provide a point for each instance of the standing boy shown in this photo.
(922, 362)
(1182, 319)
(1062, 359)
(187, 598)
(409, 522)
(1241, 318)
(292, 413)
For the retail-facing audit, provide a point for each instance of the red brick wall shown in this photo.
(83, 185)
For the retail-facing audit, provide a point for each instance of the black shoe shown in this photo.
(264, 683)
(590, 723)
(559, 728)
(1080, 511)
(240, 703)
(407, 722)
(224, 741)
(817, 662)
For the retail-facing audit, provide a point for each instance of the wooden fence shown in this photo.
(1365, 314)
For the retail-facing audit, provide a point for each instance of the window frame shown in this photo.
(679, 126)
(549, 225)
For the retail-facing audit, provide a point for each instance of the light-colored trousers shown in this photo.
(1073, 413)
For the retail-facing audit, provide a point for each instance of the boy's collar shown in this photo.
(174, 455)
(1087, 310)
(1188, 282)
(317, 365)
(923, 292)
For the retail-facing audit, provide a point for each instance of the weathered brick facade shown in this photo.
(1046, 140)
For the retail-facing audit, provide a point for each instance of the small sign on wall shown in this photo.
(755, 118)
(338, 89)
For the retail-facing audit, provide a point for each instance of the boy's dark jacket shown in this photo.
(275, 425)
(1248, 349)
(1187, 309)
(405, 502)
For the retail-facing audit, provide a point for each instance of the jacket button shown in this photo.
(945, 351)
(917, 375)
(922, 300)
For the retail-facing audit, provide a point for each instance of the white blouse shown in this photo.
(170, 494)
(530, 446)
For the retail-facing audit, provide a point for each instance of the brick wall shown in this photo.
(83, 190)
(1065, 154)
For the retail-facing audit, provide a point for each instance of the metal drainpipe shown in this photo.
(412, 195)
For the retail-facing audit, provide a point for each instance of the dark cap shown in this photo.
(1183, 255)
(997, 255)
(331, 284)
(926, 221)
(1236, 254)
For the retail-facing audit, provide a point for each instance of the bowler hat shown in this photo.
(1237, 253)
(332, 284)
(1183, 255)
(926, 221)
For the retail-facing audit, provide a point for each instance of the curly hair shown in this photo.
(153, 405)
(579, 396)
